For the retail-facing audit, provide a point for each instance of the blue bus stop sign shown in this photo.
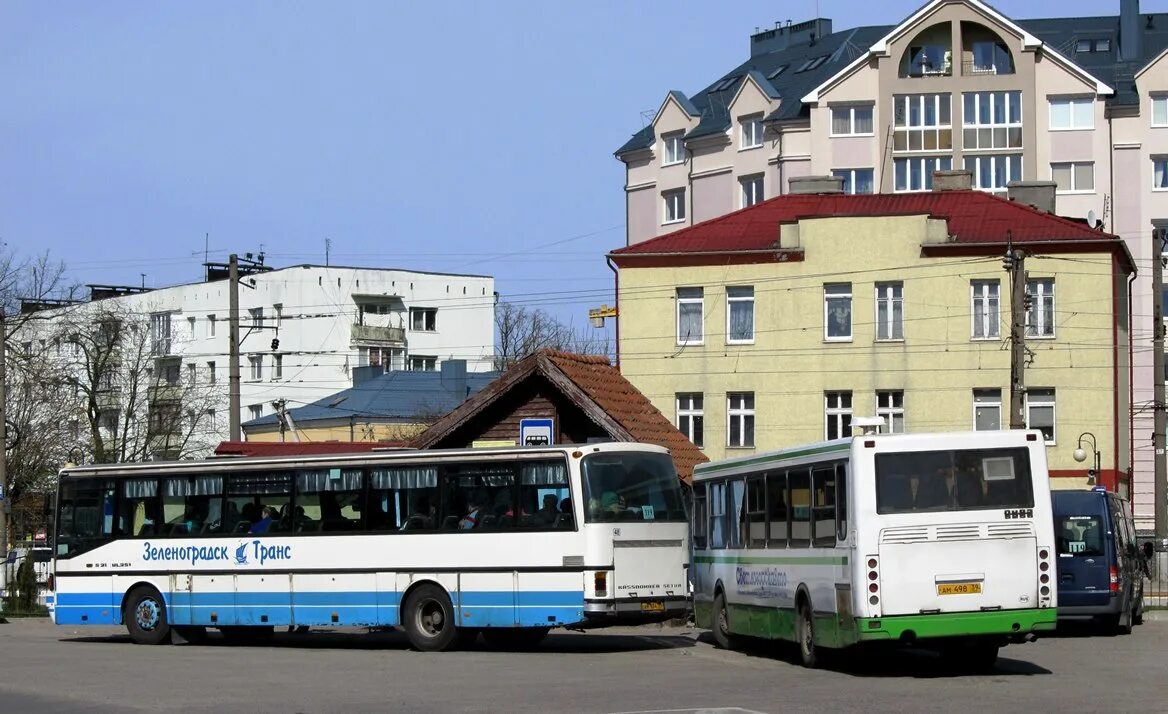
(536, 432)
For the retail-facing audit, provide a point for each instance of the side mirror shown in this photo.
(1149, 549)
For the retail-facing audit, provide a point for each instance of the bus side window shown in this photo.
(718, 524)
(756, 513)
(700, 520)
(823, 506)
(138, 515)
(737, 494)
(799, 481)
(777, 511)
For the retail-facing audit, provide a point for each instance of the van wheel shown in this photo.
(428, 618)
(145, 617)
(722, 635)
(805, 635)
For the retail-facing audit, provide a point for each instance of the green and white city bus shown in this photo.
(942, 540)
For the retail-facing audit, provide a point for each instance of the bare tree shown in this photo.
(520, 331)
(111, 378)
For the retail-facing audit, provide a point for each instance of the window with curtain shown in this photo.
(327, 500)
(138, 510)
(740, 313)
(403, 498)
(192, 504)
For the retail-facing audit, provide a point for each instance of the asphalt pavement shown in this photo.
(650, 669)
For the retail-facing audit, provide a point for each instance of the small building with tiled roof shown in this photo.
(774, 325)
(585, 397)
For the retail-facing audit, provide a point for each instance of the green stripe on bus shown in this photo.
(770, 458)
(998, 622)
(785, 560)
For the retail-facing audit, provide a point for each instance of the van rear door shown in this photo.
(1080, 529)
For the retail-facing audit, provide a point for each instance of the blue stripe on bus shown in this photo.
(473, 608)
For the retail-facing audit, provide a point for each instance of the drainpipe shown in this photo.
(1131, 421)
(616, 300)
(351, 434)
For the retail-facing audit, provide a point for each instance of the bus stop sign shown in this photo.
(536, 432)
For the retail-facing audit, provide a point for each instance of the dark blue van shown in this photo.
(1100, 568)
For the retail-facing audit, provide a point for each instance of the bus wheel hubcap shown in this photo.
(147, 614)
(431, 617)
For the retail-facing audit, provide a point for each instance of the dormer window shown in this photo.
(777, 72)
(750, 132)
(674, 146)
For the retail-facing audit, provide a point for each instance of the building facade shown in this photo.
(798, 314)
(303, 331)
(956, 85)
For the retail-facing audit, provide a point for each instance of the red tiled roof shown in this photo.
(628, 407)
(973, 217)
(597, 388)
(293, 448)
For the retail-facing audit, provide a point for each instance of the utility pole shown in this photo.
(233, 346)
(1160, 487)
(4, 494)
(1015, 265)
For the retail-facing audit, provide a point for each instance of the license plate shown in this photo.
(958, 588)
(653, 606)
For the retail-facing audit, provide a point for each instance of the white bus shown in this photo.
(444, 544)
(934, 539)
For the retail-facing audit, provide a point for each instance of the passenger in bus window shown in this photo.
(613, 505)
(474, 512)
(264, 523)
(547, 514)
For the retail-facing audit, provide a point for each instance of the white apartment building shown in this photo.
(303, 329)
(1082, 102)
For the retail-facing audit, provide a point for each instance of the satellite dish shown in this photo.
(1091, 219)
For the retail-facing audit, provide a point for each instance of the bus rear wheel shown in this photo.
(805, 635)
(722, 635)
(428, 618)
(145, 617)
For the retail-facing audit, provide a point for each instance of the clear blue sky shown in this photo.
(452, 136)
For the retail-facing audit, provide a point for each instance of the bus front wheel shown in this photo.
(805, 634)
(145, 617)
(428, 618)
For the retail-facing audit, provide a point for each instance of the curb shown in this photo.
(1156, 615)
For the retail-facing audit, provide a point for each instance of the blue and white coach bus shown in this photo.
(445, 544)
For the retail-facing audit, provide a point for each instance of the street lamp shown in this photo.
(1081, 455)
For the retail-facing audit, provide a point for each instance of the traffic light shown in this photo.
(275, 343)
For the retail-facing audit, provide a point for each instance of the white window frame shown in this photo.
(989, 404)
(827, 300)
(257, 316)
(673, 206)
(1010, 98)
(423, 361)
(736, 409)
(889, 295)
(993, 160)
(277, 366)
(1043, 397)
(851, 111)
(750, 132)
(256, 364)
(980, 290)
(1070, 103)
(211, 372)
(1162, 100)
(255, 410)
(210, 326)
(740, 298)
(699, 300)
(751, 190)
(424, 313)
(1163, 162)
(886, 407)
(925, 166)
(849, 177)
(673, 148)
(192, 377)
(941, 101)
(835, 411)
(1041, 292)
(1073, 167)
(690, 406)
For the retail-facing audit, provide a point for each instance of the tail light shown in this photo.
(1045, 592)
(873, 584)
(600, 582)
(1114, 584)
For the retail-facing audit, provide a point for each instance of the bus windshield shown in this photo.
(953, 480)
(631, 486)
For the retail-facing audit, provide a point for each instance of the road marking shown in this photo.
(708, 710)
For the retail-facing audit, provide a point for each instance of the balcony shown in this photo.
(975, 68)
(377, 334)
